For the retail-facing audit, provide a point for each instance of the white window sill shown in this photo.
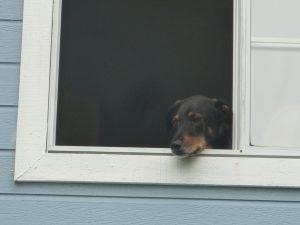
(211, 167)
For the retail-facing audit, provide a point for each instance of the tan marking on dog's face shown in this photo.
(191, 115)
(176, 118)
(210, 131)
(192, 144)
(194, 116)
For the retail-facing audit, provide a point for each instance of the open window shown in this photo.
(94, 74)
(122, 64)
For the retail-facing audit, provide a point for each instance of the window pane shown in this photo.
(124, 62)
(275, 18)
(275, 98)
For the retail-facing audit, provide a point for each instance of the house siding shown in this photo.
(54, 203)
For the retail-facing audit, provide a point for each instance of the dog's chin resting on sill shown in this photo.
(198, 122)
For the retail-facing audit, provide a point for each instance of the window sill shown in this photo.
(204, 169)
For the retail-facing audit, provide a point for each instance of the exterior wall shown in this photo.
(42, 203)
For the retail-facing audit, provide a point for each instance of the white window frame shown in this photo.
(38, 160)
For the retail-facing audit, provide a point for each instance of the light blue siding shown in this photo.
(9, 85)
(10, 41)
(78, 210)
(52, 203)
(8, 120)
(11, 9)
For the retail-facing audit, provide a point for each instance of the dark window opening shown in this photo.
(124, 62)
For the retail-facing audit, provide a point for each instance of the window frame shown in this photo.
(38, 160)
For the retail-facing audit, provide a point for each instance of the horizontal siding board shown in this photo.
(7, 186)
(11, 9)
(8, 120)
(9, 84)
(10, 41)
(25, 210)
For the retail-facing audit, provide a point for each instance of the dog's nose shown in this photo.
(176, 147)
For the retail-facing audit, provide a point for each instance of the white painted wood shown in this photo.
(271, 42)
(254, 151)
(107, 150)
(275, 97)
(275, 40)
(8, 187)
(244, 74)
(274, 45)
(276, 18)
(56, 28)
(108, 168)
(236, 81)
(34, 84)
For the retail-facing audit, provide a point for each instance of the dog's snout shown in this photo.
(176, 147)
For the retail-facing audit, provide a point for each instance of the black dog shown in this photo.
(198, 122)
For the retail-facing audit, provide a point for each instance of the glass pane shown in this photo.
(275, 97)
(275, 18)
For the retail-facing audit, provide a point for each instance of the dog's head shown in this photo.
(197, 123)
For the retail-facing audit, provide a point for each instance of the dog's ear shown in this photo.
(171, 113)
(223, 110)
(224, 118)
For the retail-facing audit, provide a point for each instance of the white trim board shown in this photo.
(269, 42)
(107, 168)
(254, 151)
(34, 84)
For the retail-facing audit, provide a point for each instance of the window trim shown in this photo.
(37, 160)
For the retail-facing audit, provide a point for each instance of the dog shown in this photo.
(198, 123)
